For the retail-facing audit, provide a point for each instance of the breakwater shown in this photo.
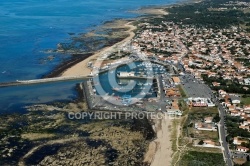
(43, 80)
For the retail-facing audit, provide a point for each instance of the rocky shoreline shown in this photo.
(46, 137)
(110, 33)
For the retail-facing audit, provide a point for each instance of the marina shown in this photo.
(126, 84)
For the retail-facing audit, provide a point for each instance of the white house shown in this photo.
(222, 92)
(247, 107)
(209, 143)
(247, 81)
(235, 99)
(208, 119)
(242, 149)
(238, 140)
(205, 126)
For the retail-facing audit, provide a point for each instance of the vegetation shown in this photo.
(118, 55)
(102, 138)
(233, 129)
(245, 100)
(198, 114)
(183, 94)
(201, 15)
(205, 111)
(193, 158)
(245, 61)
(230, 86)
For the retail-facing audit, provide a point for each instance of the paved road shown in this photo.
(162, 100)
(223, 134)
(195, 88)
(240, 154)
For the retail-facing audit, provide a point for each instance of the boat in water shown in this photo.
(116, 89)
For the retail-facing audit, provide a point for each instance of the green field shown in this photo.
(246, 100)
(193, 158)
(203, 135)
(182, 91)
(204, 110)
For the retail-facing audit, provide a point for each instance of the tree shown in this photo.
(201, 142)
(216, 119)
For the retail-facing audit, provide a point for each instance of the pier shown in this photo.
(80, 77)
(44, 80)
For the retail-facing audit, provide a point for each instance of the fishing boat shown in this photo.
(149, 93)
(142, 93)
(140, 83)
(116, 89)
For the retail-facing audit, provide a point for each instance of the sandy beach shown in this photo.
(160, 150)
(151, 11)
(82, 69)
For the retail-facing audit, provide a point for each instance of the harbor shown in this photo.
(135, 85)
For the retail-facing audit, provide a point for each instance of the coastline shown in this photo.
(161, 141)
(81, 67)
(77, 64)
(66, 65)
(159, 150)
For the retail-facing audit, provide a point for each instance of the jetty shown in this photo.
(81, 77)
(132, 75)
(43, 80)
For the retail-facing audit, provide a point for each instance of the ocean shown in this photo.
(30, 27)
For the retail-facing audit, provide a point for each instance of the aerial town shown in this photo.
(207, 69)
(188, 63)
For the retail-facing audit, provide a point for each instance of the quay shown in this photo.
(135, 77)
(132, 75)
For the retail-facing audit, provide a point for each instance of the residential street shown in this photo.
(162, 94)
(222, 134)
(191, 84)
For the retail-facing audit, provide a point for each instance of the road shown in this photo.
(162, 100)
(195, 88)
(223, 134)
(221, 126)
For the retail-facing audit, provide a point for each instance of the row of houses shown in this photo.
(238, 142)
(200, 102)
(233, 108)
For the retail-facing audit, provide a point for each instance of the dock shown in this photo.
(135, 77)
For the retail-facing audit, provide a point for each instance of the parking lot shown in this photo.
(194, 87)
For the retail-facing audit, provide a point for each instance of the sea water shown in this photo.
(29, 27)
